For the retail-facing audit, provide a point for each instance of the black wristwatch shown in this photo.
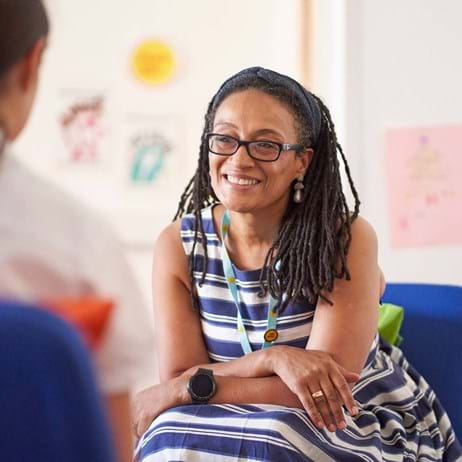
(202, 386)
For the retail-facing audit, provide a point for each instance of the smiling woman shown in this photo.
(252, 176)
(266, 292)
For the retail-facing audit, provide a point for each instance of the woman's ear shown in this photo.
(30, 64)
(305, 158)
(22, 84)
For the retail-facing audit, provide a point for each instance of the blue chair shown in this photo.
(50, 408)
(432, 338)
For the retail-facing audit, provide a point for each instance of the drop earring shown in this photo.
(298, 186)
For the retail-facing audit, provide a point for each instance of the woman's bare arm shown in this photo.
(179, 339)
(346, 329)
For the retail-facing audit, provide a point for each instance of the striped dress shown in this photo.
(400, 418)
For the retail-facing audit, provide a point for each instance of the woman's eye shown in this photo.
(224, 139)
(266, 145)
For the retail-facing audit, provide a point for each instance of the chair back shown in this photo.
(50, 407)
(432, 339)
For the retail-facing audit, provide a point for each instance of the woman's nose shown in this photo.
(241, 158)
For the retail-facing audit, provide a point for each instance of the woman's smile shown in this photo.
(241, 181)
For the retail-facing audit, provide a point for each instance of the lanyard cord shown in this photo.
(271, 333)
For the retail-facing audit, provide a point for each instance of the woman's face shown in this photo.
(253, 115)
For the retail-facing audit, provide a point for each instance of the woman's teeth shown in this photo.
(242, 181)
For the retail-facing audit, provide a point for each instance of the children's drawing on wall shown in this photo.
(427, 170)
(148, 154)
(82, 128)
(150, 143)
(424, 191)
(152, 171)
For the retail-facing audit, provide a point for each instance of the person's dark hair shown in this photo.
(3, 83)
(22, 23)
(314, 238)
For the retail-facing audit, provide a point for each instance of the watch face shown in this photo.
(202, 385)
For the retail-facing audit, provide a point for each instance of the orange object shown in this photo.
(89, 315)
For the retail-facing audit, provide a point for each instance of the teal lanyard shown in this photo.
(271, 333)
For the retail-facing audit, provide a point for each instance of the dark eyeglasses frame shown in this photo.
(281, 146)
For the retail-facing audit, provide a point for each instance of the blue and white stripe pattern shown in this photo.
(400, 418)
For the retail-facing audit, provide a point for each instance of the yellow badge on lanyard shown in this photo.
(271, 335)
(153, 62)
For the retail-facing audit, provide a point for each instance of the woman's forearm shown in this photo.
(149, 403)
(248, 379)
(243, 390)
(256, 364)
(260, 390)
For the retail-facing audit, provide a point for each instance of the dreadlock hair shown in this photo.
(314, 237)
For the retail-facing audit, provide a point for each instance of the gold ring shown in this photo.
(317, 394)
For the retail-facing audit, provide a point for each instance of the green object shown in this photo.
(390, 320)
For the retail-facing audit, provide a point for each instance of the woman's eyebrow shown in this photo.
(262, 131)
(225, 123)
(267, 131)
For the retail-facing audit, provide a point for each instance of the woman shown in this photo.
(278, 305)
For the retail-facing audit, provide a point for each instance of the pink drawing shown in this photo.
(424, 166)
(82, 129)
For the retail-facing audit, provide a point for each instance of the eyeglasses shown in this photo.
(265, 151)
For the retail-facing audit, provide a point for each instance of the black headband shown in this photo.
(22, 23)
(306, 98)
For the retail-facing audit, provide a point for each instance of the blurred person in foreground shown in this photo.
(51, 247)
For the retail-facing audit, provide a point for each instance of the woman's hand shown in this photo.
(309, 372)
(149, 403)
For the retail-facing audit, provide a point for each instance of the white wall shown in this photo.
(403, 69)
(328, 57)
(90, 49)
